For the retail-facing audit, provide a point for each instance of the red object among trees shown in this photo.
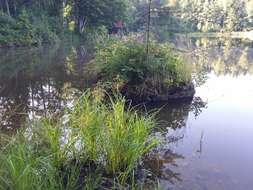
(119, 24)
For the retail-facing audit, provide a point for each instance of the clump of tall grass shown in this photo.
(113, 135)
(19, 167)
(94, 141)
(31, 161)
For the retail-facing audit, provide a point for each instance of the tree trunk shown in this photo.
(1, 6)
(148, 30)
(7, 7)
(64, 20)
(15, 7)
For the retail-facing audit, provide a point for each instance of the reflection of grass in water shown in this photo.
(96, 141)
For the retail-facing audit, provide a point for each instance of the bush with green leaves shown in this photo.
(23, 31)
(44, 30)
(6, 28)
(124, 66)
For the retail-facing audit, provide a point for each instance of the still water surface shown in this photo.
(208, 142)
(214, 150)
(36, 81)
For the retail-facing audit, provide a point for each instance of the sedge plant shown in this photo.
(99, 140)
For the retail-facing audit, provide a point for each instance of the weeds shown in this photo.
(114, 136)
(124, 65)
(100, 145)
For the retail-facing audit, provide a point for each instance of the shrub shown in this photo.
(23, 31)
(128, 69)
(43, 31)
(6, 19)
(94, 35)
(6, 28)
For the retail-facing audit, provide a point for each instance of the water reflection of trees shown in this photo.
(35, 81)
(221, 56)
(225, 60)
(158, 164)
(175, 114)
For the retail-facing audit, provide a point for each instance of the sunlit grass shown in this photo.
(113, 135)
(19, 167)
(94, 141)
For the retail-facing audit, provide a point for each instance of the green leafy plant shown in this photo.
(23, 31)
(130, 70)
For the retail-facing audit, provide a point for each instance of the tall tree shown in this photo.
(7, 7)
(93, 13)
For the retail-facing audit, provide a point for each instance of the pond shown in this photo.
(206, 141)
(36, 81)
(214, 133)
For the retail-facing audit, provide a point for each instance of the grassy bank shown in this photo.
(124, 66)
(94, 146)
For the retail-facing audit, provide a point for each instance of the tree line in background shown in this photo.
(32, 22)
(215, 15)
(199, 15)
(25, 22)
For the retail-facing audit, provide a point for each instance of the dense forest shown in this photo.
(26, 22)
(33, 22)
(216, 15)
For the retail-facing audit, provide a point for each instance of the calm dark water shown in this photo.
(207, 143)
(35, 81)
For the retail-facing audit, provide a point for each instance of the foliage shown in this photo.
(36, 22)
(93, 140)
(44, 31)
(5, 19)
(6, 23)
(96, 35)
(95, 13)
(219, 15)
(169, 16)
(21, 31)
(127, 67)
(46, 20)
